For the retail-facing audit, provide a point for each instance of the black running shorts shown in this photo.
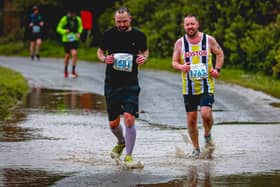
(120, 100)
(193, 101)
(68, 46)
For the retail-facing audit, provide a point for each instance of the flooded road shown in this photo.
(61, 137)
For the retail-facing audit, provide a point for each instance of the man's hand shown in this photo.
(215, 73)
(140, 59)
(185, 67)
(109, 59)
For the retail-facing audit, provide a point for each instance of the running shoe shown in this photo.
(32, 57)
(117, 151)
(209, 142)
(131, 164)
(195, 153)
(65, 74)
(74, 75)
(128, 158)
(38, 57)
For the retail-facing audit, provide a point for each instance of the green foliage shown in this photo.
(247, 30)
(15, 48)
(23, 5)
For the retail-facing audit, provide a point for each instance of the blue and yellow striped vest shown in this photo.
(195, 54)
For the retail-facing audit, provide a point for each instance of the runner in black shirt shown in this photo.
(122, 49)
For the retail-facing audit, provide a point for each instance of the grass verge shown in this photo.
(13, 88)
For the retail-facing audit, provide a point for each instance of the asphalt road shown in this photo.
(160, 100)
(77, 145)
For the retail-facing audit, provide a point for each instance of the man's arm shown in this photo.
(218, 51)
(101, 55)
(176, 57)
(60, 26)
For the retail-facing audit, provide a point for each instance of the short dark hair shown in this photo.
(122, 10)
(35, 7)
(188, 15)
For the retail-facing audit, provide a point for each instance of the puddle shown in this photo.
(29, 177)
(63, 101)
(66, 135)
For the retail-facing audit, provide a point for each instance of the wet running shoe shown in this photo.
(32, 57)
(65, 74)
(128, 158)
(195, 153)
(131, 164)
(209, 143)
(38, 57)
(74, 75)
(117, 150)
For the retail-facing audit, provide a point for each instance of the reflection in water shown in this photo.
(63, 100)
(14, 133)
(79, 134)
(197, 176)
(25, 177)
(50, 100)
(271, 179)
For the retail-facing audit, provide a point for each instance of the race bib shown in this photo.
(36, 29)
(198, 71)
(123, 62)
(71, 37)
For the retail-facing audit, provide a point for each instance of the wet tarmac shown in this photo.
(61, 138)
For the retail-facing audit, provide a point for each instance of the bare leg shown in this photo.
(38, 46)
(32, 48)
(207, 118)
(117, 130)
(74, 57)
(192, 128)
(66, 61)
(74, 60)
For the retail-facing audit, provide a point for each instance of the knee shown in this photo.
(192, 119)
(192, 123)
(129, 119)
(206, 116)
(115, 123)
(74, 53)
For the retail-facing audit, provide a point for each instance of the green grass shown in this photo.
(256, 81)
(13, 87)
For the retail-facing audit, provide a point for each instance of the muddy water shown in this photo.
(61, 138)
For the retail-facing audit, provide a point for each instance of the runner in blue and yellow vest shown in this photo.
(192, 55)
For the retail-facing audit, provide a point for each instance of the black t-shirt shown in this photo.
(130, 42)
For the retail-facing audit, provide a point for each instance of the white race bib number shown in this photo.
(123, 62)
(36, 29)
(71, 37)
(198, 71)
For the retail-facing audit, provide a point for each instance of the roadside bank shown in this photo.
(13, 88)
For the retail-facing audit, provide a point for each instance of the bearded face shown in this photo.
(191, 26)
(123, 21)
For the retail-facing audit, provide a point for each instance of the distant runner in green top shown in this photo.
(70, 28)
